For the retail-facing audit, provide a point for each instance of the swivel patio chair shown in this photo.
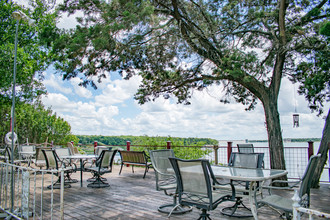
(91, 162)
(8, 156)
(284, 204)
(53, 164)
(245, 148)
(62, 152)
(166, 181)
(103, 165)
(40, 160)
(243, 160)
(27, 153)
(74, 150)
(196, 183)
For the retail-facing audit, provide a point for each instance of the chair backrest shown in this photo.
(8, 154)
(28, 148)
(51, 158)
(246, 160)
(73, 149)
(162, 165)
(193, 181)
(99, 149)
(105, 160)
(306, 180)
(63, 151)
(245, 148)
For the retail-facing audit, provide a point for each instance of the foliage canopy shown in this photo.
(181, 45)
(33, 57)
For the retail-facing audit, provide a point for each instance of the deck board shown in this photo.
(132, 197)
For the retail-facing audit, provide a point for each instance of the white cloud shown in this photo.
(58, 102)
(56, 83)
(80, 90)
(117, 92)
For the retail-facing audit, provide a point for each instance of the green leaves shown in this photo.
(33, 57)
(35, 123)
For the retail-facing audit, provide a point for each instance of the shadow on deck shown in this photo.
(132, 197)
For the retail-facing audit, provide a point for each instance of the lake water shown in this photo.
(295, 155)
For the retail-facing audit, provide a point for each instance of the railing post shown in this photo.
(95, 146)
(310, 149)
(168, 146)
(295, 205)
(128, 148)
(62, 194)
(229, 150)
(216, 161)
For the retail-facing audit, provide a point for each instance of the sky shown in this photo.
(112, 110)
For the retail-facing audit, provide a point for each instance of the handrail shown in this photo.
(298, 210)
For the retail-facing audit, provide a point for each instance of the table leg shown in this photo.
(253, 187)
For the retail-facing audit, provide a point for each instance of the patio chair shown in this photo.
(245, 148)
(39, 160)
(91, 162)
(243, 160)
(99, 149)
(8, 155)
(195, 180)
(74, 150)
(53, 164)
(27, 153)
(62, 152)
(166, 181)
(284, 204)
(103, 165)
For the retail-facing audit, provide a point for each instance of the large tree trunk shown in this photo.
(275, 140)
(323, 150)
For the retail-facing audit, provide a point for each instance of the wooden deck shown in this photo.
(132, 197)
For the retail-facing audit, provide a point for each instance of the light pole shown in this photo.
(17, 15)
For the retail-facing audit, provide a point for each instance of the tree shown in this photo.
(36, 124)
(313, 75)
(181, 45)
(33, 57)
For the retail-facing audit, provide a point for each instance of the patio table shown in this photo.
(253, 175)
(81, 157)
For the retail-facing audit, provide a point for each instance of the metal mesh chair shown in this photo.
(285, 204)
(166, 181)
(102, 165)
(67, 162)
(245, 148)
(53, 163)
(196, 182)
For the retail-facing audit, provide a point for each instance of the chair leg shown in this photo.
(98, 183)
(68, 179)
(145, 172)
(204, 215)
(174, 208)
(57, 184)
(121, 167)
(239, 205)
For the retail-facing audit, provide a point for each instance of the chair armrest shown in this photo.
(291, 187)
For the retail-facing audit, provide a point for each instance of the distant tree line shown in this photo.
(144, 140)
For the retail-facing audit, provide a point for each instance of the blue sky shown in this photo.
(111, 110)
